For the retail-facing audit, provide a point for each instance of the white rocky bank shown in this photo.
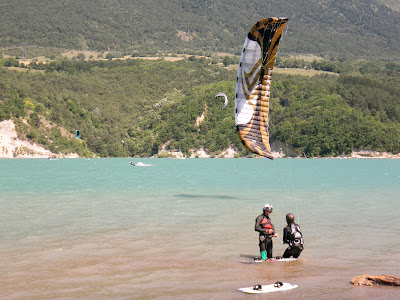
(12, 147)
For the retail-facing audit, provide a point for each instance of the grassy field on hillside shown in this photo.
(302, 72)
(293, 71)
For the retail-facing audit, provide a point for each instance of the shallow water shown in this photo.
(101, 228)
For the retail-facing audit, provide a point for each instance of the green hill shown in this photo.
(147, 104)
(348, 28)
(133, 107)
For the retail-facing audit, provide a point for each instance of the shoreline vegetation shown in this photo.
(13, 147)
(320, 108)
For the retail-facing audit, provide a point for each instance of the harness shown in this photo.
(296, 237)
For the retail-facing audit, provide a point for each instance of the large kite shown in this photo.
(253, 84)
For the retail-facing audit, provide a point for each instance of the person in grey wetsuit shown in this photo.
(266, 231)
(293, 236)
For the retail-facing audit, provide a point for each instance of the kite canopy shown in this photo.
(225, 99)
(253, 84)
(78, 134)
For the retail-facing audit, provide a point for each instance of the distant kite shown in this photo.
(78, 134)
(226, 99)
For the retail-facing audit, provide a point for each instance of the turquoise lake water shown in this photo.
(101, 228)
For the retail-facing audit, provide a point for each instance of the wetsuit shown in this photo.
(295, 246)
(263, 224)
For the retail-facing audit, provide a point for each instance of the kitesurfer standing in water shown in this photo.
(266, 229)
(292, 235)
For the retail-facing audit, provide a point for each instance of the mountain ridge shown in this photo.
(349, 28)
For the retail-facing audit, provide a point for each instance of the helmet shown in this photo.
(268, 207)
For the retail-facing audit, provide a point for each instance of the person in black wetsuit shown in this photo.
(292, 235)
(267, 230)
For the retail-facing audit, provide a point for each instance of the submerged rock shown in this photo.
(375, 280)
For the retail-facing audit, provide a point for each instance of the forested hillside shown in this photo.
(345, 29)
(108, 101)
(132, 108)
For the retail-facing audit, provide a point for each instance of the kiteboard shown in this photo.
(262, 289)
(257, 260)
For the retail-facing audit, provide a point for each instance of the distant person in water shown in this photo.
(292, 235)
(266, 231)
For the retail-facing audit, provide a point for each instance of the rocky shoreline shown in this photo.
(13, 147)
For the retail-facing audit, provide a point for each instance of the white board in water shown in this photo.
(258, 261)
(269, 288)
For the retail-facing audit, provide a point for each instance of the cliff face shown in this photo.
(12, 147)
